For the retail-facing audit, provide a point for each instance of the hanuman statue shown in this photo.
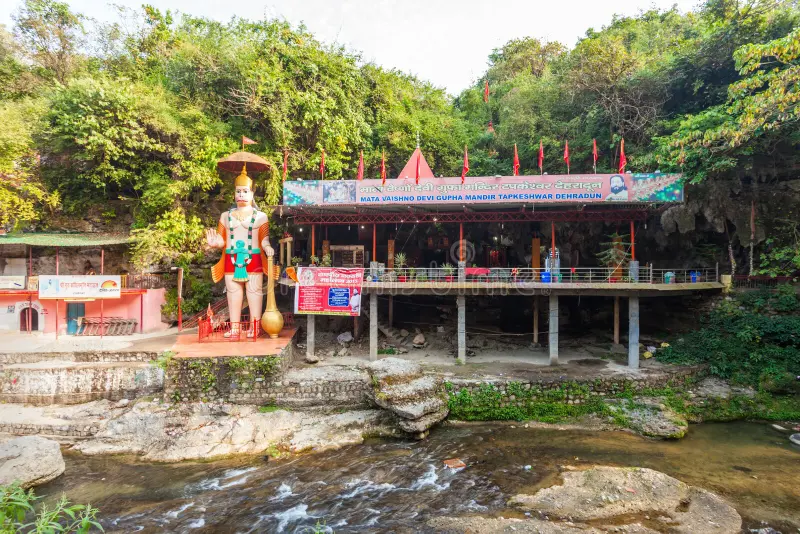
(243, 235)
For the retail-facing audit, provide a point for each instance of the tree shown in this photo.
(51, 34)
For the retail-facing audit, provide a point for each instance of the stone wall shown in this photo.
(518, 393)
(263, 381)
(86, 356)
(75, 383)
(73, 431)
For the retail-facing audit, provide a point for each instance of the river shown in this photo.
(396, 486)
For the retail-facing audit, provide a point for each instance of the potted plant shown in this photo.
(399, 263)
(422, 276)
(314, 260)
(448, 272)
(412, 273)
(296, 261)
(326, 260)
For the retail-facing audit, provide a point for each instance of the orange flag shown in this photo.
(285, 163)
(566, 154)
(594, 155)
(247, 141)
(623, 161)
(486, 91)
(383, 168)
(516, 161)
(465, 168)
(322, 165)
(360, 174)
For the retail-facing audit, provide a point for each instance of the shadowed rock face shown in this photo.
(30, 460)
(611, 499)
(419, 401)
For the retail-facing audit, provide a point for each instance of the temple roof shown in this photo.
(410, 170)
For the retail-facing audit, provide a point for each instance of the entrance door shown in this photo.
(23, 320)
(75, 310)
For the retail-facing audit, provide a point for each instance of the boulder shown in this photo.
(30, 460)
(419, 341)
(619, 495)
(394, 369)
(312, 358)
(344, 338)
(404, 332)
(795, 438)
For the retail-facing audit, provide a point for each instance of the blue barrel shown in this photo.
(546, 277)
(694, 277)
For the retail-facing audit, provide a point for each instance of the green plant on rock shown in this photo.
(164, 360)
(326, 260)
(204, 372)
(247, 371)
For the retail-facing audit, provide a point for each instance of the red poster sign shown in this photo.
(328, 291)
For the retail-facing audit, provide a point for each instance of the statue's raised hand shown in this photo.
(214, 239)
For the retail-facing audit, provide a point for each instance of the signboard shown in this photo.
(12, 282)
(328, 291)
(98, 286)
(546, 189)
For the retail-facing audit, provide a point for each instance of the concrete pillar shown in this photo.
(462, 329)
(356, 328)
(553, 329)
(633, 332)
(536, 321)
(462, 274)
(373, 326)
(616, 320)
(310, 335)
(391, 311)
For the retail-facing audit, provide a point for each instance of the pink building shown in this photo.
(23, 258)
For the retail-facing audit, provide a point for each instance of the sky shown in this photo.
(446, 42)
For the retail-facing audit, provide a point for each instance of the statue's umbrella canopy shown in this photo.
(236, 161)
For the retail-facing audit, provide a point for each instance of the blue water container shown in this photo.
(545, 277)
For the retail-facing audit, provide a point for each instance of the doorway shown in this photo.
(75, 311)
(23, 320)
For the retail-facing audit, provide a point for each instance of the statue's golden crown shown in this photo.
(243, 180)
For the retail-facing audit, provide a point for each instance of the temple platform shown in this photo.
(189, 346)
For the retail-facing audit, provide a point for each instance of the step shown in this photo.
(69, 382)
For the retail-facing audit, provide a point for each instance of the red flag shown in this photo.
(566, 154)
(322, 165)
(541, 156)
(209, 313)
(383, 168)
(285, 163)
(516, 161)
(490, 129)
(465, 168)
(594, 155)
(360, 175)
(419, 156)
(622, 159)
(486, 91)
(247, 141)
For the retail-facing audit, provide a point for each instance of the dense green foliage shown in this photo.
(19, 513)
(138, 111)
(753, 340)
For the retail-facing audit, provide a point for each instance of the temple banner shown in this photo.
(12, 282)
(99, 286)
(328, 291)
(545, 189)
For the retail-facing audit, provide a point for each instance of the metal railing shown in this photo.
(743, 281)
(213, 330)
(147, 280)
(521, 275)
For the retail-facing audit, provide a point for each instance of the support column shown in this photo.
(536, 321)
(460, 242)
(356, 328)
(310, 333)
(553, 329)
(313, 241)
(633, 244)
(391, 311)
(633, 332)
(616, 320)
(374, 242)
(373, 326)
(462, 329)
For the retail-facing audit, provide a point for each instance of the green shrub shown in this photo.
(18, 514)
(754, 340)
(197, 296)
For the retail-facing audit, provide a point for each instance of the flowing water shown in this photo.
(396, 486)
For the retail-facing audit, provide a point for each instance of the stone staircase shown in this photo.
(393, 335)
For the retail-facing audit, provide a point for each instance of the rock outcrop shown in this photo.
(30, 460)
(650, 417)
(610, 499)
(170, 433)
(419, 401)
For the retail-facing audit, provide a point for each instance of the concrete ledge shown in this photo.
(87, 356)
